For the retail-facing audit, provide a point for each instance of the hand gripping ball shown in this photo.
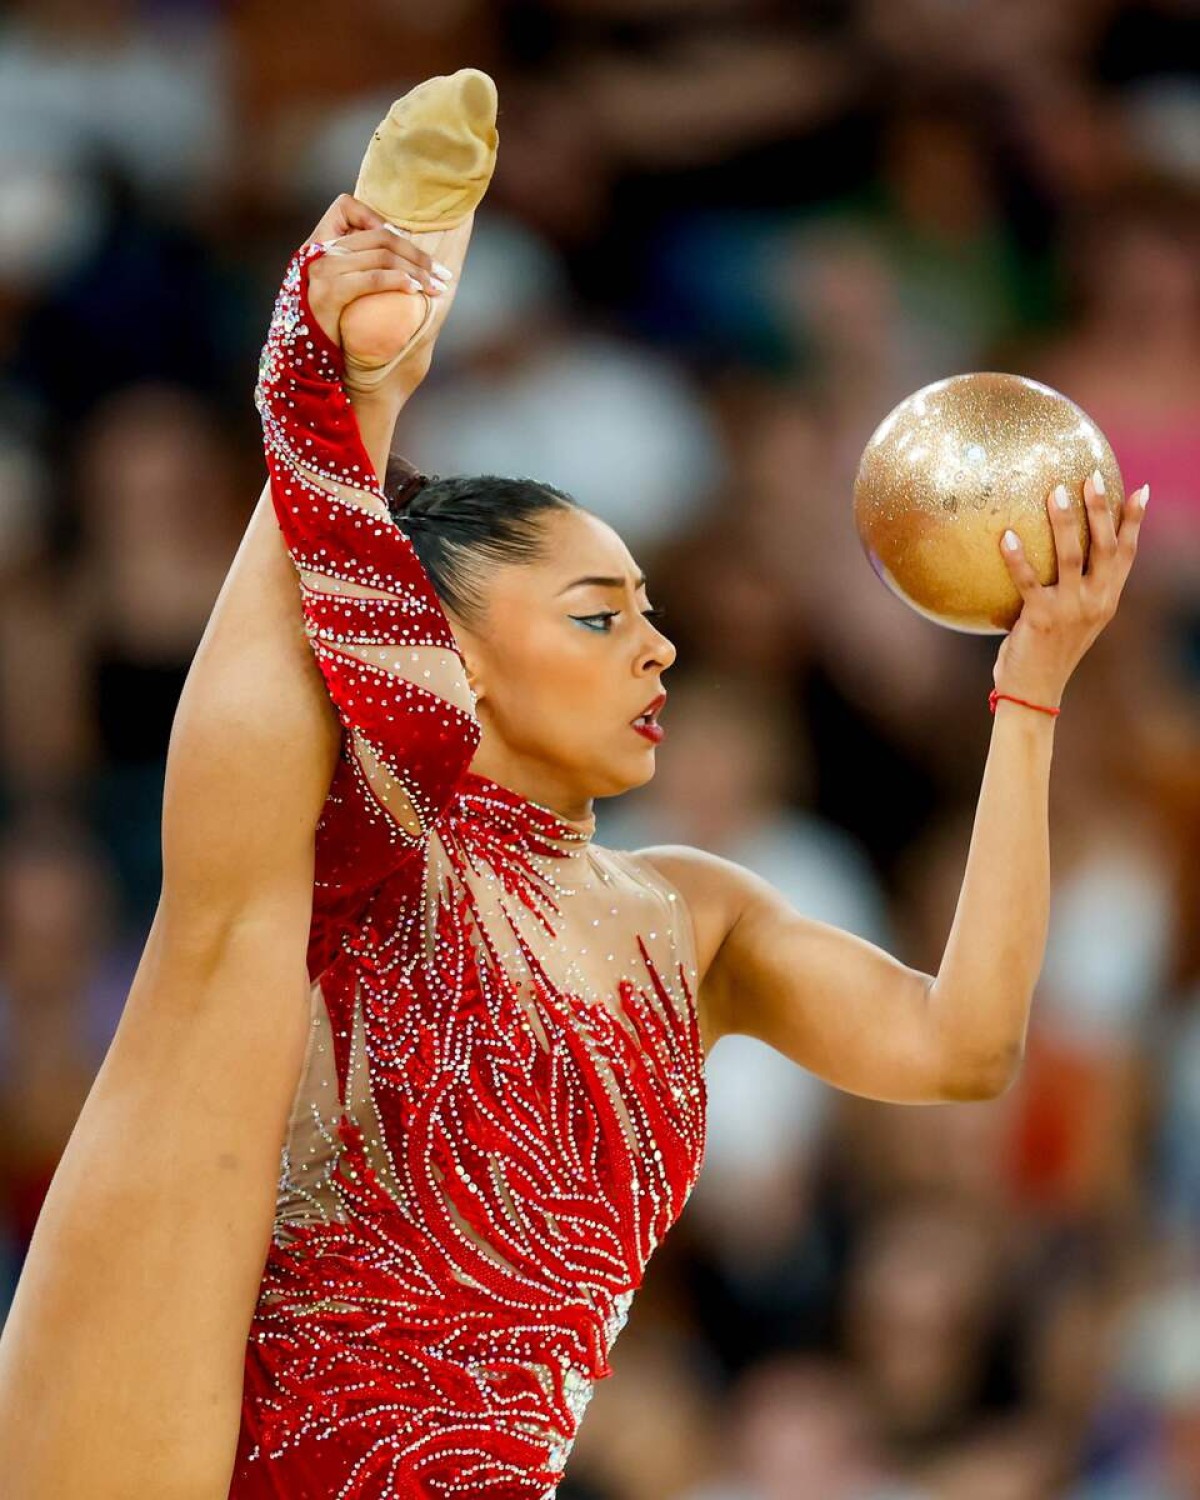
(954, 466)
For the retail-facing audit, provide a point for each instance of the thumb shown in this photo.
(356, 214)
(344, 214)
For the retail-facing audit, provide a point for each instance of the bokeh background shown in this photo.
(724, 238)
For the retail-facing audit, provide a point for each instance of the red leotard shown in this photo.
(501, 1111)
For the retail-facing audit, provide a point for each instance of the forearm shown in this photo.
(980, 999)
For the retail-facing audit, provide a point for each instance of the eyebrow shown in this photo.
(608, 583)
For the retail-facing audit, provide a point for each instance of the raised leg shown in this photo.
(121, 1361)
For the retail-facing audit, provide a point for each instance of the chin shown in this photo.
(608, 780)
(641, 781)
(642, 775)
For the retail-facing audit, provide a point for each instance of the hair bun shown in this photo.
(404, 496)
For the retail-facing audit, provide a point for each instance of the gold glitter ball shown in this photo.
(950, 469)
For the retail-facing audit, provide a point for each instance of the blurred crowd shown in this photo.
(725, 237)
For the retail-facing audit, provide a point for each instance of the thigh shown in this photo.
(122, 1357)
(121, 1360)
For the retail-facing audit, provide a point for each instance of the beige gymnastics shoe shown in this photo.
(427, 168)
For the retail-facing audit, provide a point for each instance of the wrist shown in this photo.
(1044, 691)
(1026, 708)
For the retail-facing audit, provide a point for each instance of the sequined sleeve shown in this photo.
(377, 628)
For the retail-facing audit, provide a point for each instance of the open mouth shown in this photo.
(649, 730)
(647, 721)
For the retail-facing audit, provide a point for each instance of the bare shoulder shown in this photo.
(708, 885)
(716, 892)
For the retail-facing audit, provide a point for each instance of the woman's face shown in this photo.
(562, 664)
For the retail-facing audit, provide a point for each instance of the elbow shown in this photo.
(977, 1078)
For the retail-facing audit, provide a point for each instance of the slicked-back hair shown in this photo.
(462, 524)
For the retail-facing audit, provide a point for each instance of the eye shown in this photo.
(651, 614)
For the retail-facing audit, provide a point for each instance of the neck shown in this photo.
(532, 779)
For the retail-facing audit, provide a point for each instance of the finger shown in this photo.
(1102, 544)
(1131, 525)
(343, 214)
(378, 279)
(351, 262)
(355, 214)
(422, 265)
(439, 270)
(388, 234)
(1019, 567)
(1064, 518)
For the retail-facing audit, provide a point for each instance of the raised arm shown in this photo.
(852, 1013)
(378, 632)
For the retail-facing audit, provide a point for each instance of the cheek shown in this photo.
(551, 685)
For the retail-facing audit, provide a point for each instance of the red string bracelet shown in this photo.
(995, 695)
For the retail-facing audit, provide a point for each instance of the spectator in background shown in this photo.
(789, 1417)
(102, 643)
(925, 1302)
(156, 488)
(83, 79)
(1131, 354)
(1018, 1459)
(1178, 1146)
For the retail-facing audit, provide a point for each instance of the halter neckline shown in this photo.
(537, 822)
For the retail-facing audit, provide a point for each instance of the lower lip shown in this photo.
(652, 732)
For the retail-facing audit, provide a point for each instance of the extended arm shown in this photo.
(859, 1018)
(851, 1012)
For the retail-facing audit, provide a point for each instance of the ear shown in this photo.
(472, 649)
(474, 677)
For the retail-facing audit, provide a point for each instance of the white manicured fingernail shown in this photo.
(1010, 540)
(1145, 496)
(1061, 498)
(1098, 482)
(391, 229)
(443, 271)
(414, 285)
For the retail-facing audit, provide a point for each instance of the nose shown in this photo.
(659, 650)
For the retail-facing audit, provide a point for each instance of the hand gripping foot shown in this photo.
(427, 168)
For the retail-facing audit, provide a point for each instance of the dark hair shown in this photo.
(460, 524)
